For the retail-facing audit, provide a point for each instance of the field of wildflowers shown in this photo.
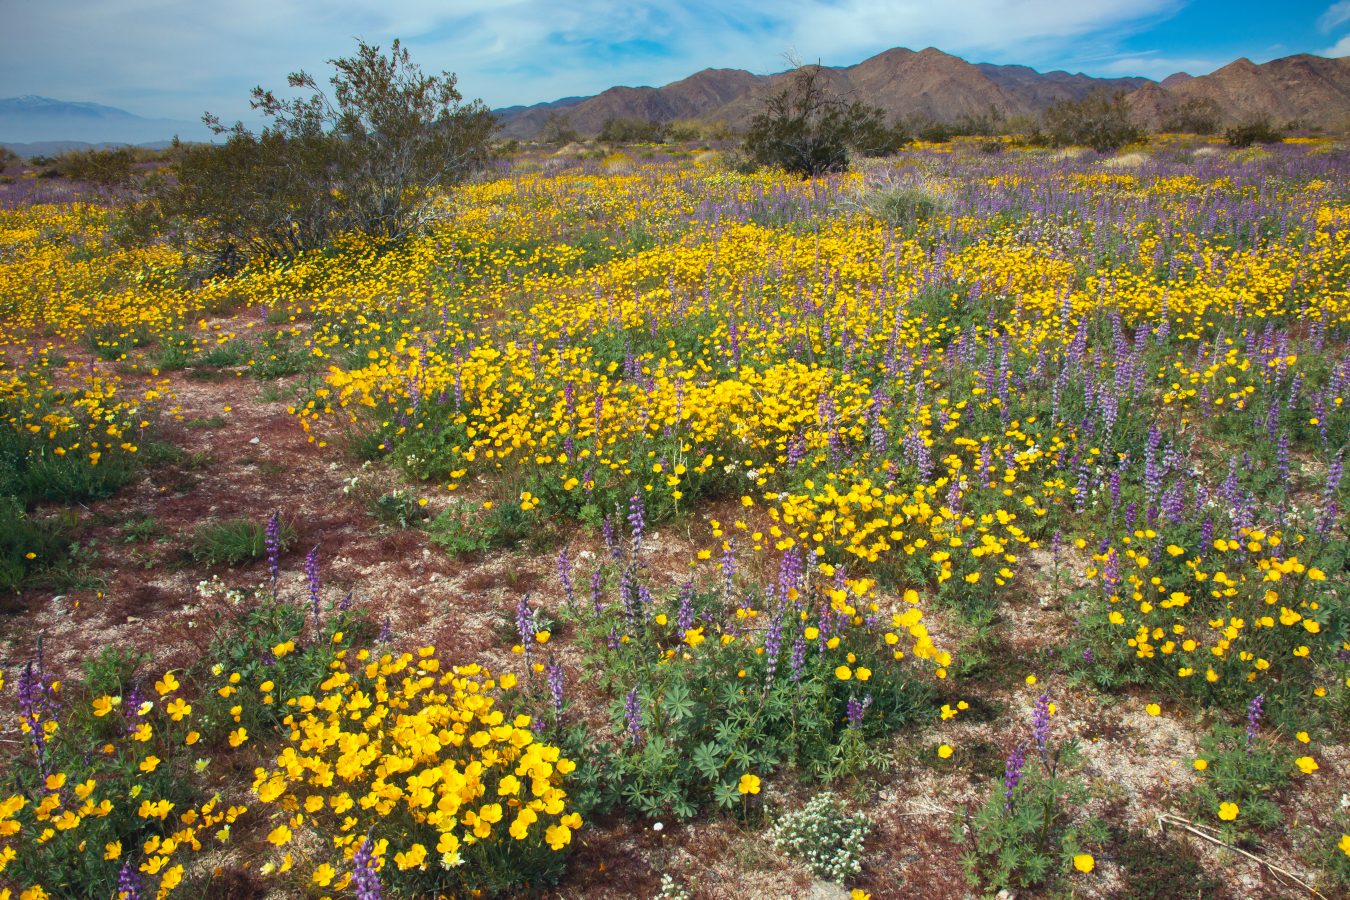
(999, 494)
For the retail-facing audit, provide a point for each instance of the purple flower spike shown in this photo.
(632, 715)
(554, 672)
(273, 543)
(128, 882)
(1040, 724)
(365, 873)
(1254, 711)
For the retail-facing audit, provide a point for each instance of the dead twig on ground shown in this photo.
(1208, 834)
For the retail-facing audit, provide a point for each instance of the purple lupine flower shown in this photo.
(346, 602)
(773, 647)
(35, 709)
(128, 881)
(1254, 710)
(728, 567)
(365, 873)
(797, 659)
(1040, 725)
(611, 539)
(273, 544)
(632, 717)
(525, 625)
(789, 575)
(554, 673)
(684, 619)
(1088, 656)
(856, 710)
(312, 577)
(1335, 472)
(565, 576)
(386, 634)
(598, 591)
(796, 451)
(637, 521)
(131, 708)
(1012, 774)
(1110, 572)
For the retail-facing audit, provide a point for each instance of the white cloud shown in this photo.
(1156, 67)
(1340, 48)
(1337, 14)
(169, 58)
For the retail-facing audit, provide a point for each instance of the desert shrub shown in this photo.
(1197, 115)
(1100, 121)
(558, 130)
(807, 130)
(825, 837)
(621, 130)
(105, 167)
(8, 158)
(1255, 131)
(903, 207)
(372, 159)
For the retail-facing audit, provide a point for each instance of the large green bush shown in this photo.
(372, 158)
(1100, 121)
(808, 130)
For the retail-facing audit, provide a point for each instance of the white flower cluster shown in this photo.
(672, 889)
(824, 837)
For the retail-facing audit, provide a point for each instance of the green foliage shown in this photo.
(1254, 131)
(108, 168)
(903, 207)
(1197, 115)
(462, 530)
(32, 472)
(711, 710)
(20, 535)
(806, 130)
(399, 509)
(1331, 852)
(245, 660)
(234, 542)
(1030, 839)
(1100, 121)
(558, 130)
(619, 130)
(1240, 772)
(371, 159)
(825, 837)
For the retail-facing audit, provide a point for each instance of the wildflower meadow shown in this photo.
(974, 520)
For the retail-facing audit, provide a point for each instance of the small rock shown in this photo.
(134, 620)
(255, 440)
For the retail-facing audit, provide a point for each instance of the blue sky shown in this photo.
(177, 58)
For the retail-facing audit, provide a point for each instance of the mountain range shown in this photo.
(41, 120)
(1311, 91)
